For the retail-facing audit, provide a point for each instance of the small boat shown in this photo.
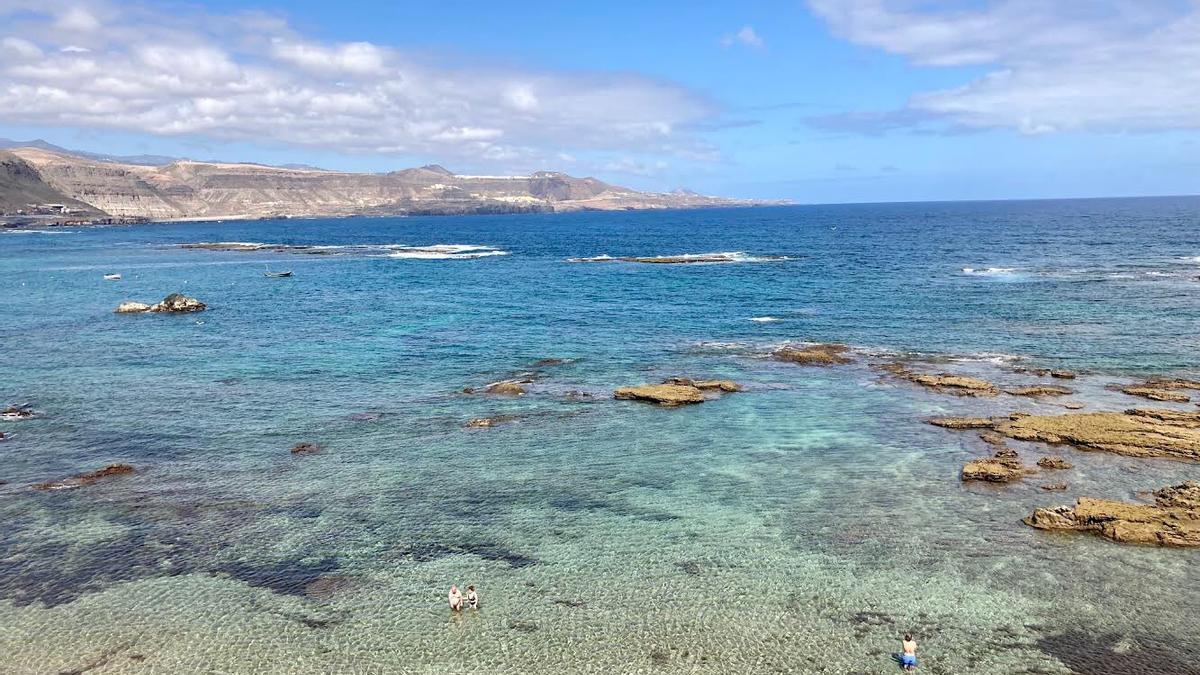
(112, 277)
(277, 275)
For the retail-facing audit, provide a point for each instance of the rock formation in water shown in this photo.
(505, 388)
(1173, 519)
(175, 303)
(669, 395)
(14, 413)
(722, 385)
(831, 354)
(1039, 390)
(1162, 389)
(1137, 432)
(1004, 467)
(306, 448)
(186, 189)
(87, 478)
(1054, 462)
(944, 383)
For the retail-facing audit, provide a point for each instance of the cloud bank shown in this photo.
(251, 76)
(1102, 66)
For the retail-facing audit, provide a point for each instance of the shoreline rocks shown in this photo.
(1173, 519)
(85, 479)
(1161, 389)
(826, 354)
(1038, 391)
(175, 303)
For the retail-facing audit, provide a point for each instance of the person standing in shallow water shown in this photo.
(908, 658)
(472, 598)
(456, 599)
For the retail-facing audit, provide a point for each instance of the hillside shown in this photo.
(186, 189)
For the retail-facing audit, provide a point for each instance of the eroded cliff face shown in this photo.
(187, 189)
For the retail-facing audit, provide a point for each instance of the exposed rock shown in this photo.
(945, 383)
(1006, 453)
(1137, 432)
(178, 302)
(1039, 390)
(505, 388)
(1155, 394)
(173, 303)
(991, 438)
(130, 307)
(2, 436)
(1173, 520)
(1054, 462)
(1054, 487)
(722, 385)
(966, 422)
(306, 449)
(663, 394)
(16, 413)
(86, 478)
(993, 470)
(488, 422)
(1073, 405)
(1062, 374)
(815, 355)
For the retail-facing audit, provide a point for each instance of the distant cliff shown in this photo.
(187, 189)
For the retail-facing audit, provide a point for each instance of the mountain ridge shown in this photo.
(92, 185)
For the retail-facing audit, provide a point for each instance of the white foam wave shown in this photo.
(989, 271)
(687, 258)
(764, 319)
(41, 231)
(444, 252)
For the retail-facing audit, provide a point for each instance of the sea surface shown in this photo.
(800, 526)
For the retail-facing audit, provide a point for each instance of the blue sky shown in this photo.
(818, 101)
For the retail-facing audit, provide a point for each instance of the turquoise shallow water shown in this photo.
(799, 526)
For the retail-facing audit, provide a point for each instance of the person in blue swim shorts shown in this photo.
(908, 658)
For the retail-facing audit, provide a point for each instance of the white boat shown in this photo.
(112, 277)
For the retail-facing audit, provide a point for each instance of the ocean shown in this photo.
(802, 525)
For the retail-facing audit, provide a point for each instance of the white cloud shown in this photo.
(1109, 65)
(746, 36)
(251, 76)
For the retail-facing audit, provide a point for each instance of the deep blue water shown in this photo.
(784, 512)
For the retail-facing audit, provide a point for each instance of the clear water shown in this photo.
(800, 526)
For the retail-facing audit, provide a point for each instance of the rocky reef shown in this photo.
(1039, 390)
(175, 303)
(86, 479)
(1002, 468)
(944, 383)
(1162, 389)
(677, 391)
(829, 354)
(1173, 519)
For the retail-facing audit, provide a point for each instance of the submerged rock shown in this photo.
(488, 422)
(1039, 390)
(1054, 487)
(1137, 432)
(86, 478)
(966, 422)
(175, 303)
(306, 449)
(1173, 520)
(1155, 394)
(1054, 462)
(1062, 374)
(991, 438)
(669, 395)
(945, 383)
(831, 354)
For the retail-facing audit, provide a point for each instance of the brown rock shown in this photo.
(306, 449)
(669, 395)
(1054, 487)
(1062, 374)
(1173, 520)
(1005, 453)
(1039, 390)
(178, 302)
(1155, 394)
(722, 385)
(86, 478)
(1136, 433)
(505, 388)
(993, 471)
(991, 438)
(966, 422)
(815, 355)
(945, 383)
(1053, 462)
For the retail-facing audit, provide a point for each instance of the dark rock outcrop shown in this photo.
(16, 413)
(1173, 519)
(505, 388)
(1039, 391)
(489, 422)
(1062, 374)
(1054, 462)
(86, 479)
(175, 303)
(1054, 487)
